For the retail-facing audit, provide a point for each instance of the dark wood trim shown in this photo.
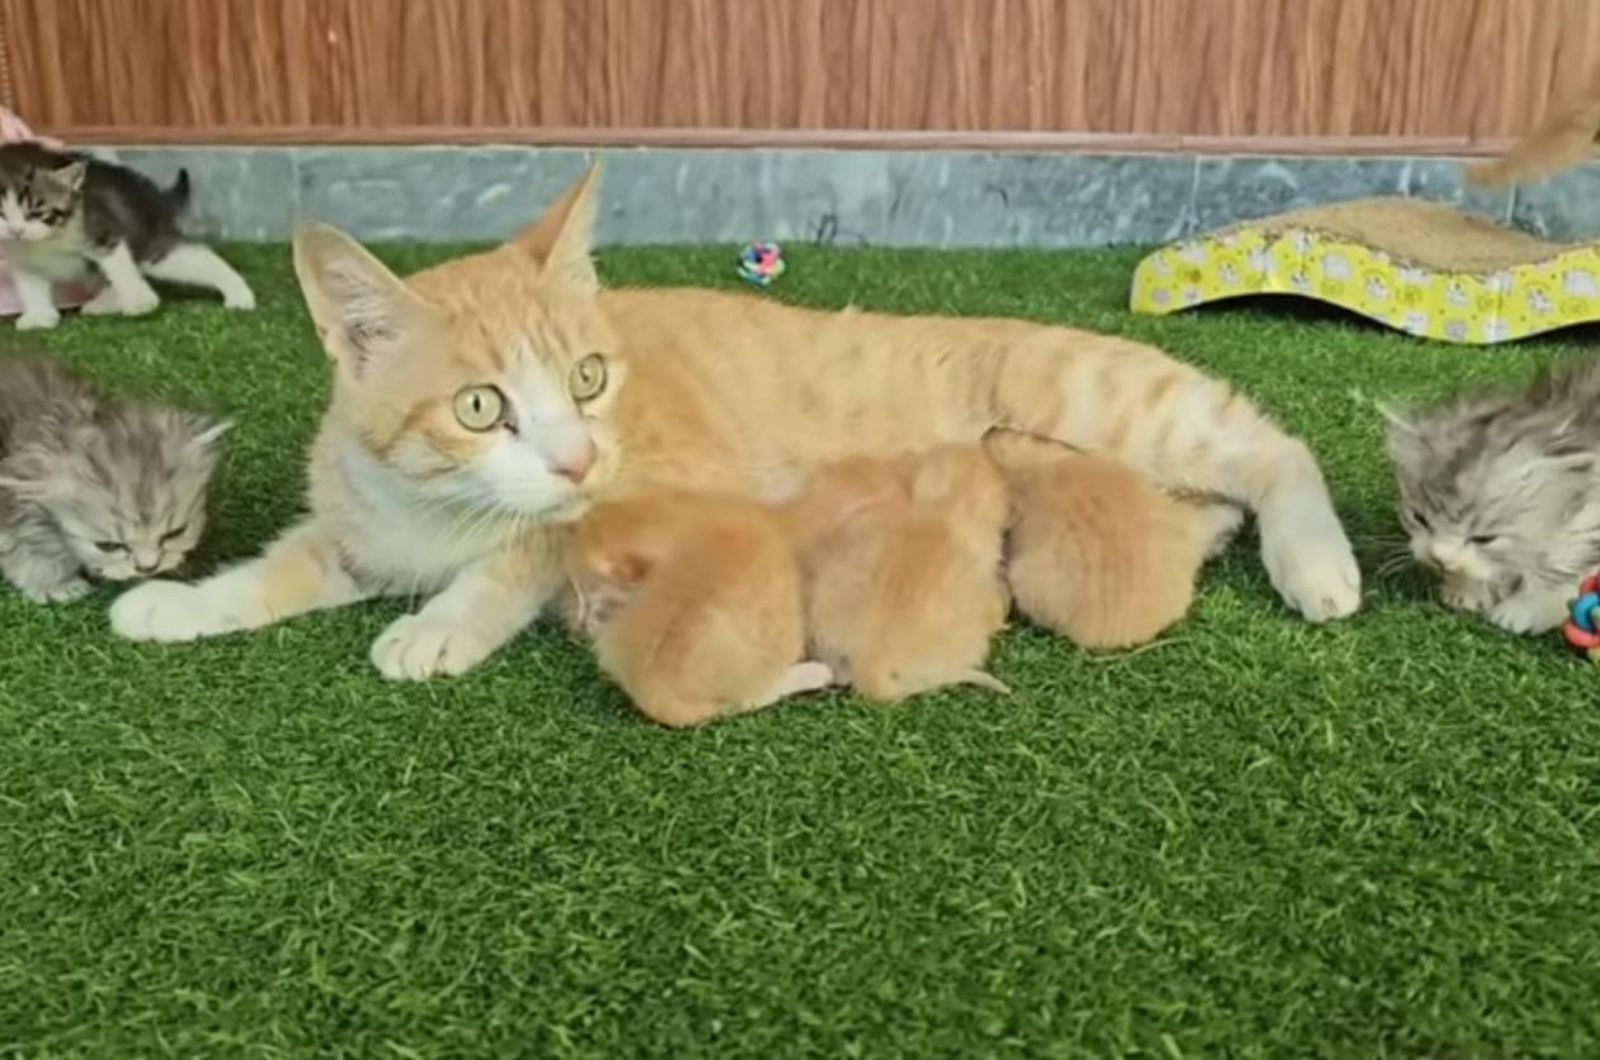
(1081, 143)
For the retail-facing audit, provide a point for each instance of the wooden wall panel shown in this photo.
(1219, 68)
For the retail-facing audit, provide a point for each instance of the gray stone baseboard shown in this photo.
(877, 198)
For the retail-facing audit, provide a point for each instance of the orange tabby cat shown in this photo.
(902, 562)
(479, 404)
(705, 610)
(1097, 553)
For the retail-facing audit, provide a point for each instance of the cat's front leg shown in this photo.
(486, 605)
(133, 293)
(38, 299)
(1531, 609)
(45, 577)
(302, 571)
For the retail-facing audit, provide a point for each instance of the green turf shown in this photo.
(1258, 838)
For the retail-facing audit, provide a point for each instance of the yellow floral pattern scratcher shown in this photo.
(1498, 286)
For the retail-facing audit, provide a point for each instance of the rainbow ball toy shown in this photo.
(761, 263)
(1583, 623)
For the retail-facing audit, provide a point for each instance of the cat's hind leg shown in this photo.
(199, 266)
(134, 295)
(302, 571)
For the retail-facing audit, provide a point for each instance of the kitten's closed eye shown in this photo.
(1421, 520)
(1483, 539)
(111, 548)
(173, 534)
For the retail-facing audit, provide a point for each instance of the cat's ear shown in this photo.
(561, 240)
(362, 311)
(70, 176)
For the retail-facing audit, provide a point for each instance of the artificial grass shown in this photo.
(1258, 838)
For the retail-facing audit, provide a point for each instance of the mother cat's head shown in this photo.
(485, 382)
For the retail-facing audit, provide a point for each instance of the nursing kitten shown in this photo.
(695, 606)
(1098, 553)
(90, 486)
(1500, 494)
(903, 590)
(62, 213)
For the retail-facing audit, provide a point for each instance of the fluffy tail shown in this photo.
(178, 194)
(1563, 141)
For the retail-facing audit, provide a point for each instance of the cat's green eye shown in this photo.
(478, 408)
(587, 380)
(110, 547)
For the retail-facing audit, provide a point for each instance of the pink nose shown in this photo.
(577, 465)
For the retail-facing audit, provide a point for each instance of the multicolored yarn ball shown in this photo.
(1583, 625)
(761, 263)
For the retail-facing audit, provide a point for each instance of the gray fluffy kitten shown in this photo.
(93, 486)
(1500, 494)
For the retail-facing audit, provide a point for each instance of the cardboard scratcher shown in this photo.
(1416, 266)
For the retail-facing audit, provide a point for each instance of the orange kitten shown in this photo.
(695, 605)
(1097, 552)
(902, 562)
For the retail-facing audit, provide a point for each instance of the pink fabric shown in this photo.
(68, 295)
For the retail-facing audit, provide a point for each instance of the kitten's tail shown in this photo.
(1563, 141)
(985, 679)
(178, 194)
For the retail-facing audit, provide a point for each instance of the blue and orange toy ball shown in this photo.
(1583, 623)
(761, 263)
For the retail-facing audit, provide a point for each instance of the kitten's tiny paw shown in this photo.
(60, 593)
(162, 611)
(1528, 613)
(417, 647)
(103, 304)
(38, 321)
(141, 304)
(243, 299)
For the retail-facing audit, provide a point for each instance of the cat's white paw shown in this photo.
(1310, 561)
(61, 592)
(163, 611)
(39, 320)
(243, 299)
(103, 304)
(140, 304)
(417, 647)
(1529, 612)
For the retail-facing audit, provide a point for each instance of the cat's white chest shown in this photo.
(63, 257)
(393, 535)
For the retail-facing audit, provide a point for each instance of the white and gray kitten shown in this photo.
(92, 487)
(63, 213)
(1500, 494)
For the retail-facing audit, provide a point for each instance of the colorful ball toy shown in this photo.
(761, 263)
(1583, 625)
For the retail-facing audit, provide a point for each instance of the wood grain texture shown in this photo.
(1432, 69)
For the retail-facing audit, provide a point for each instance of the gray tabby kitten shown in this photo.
(94, 487)
(1500, 494)
(62, 212)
